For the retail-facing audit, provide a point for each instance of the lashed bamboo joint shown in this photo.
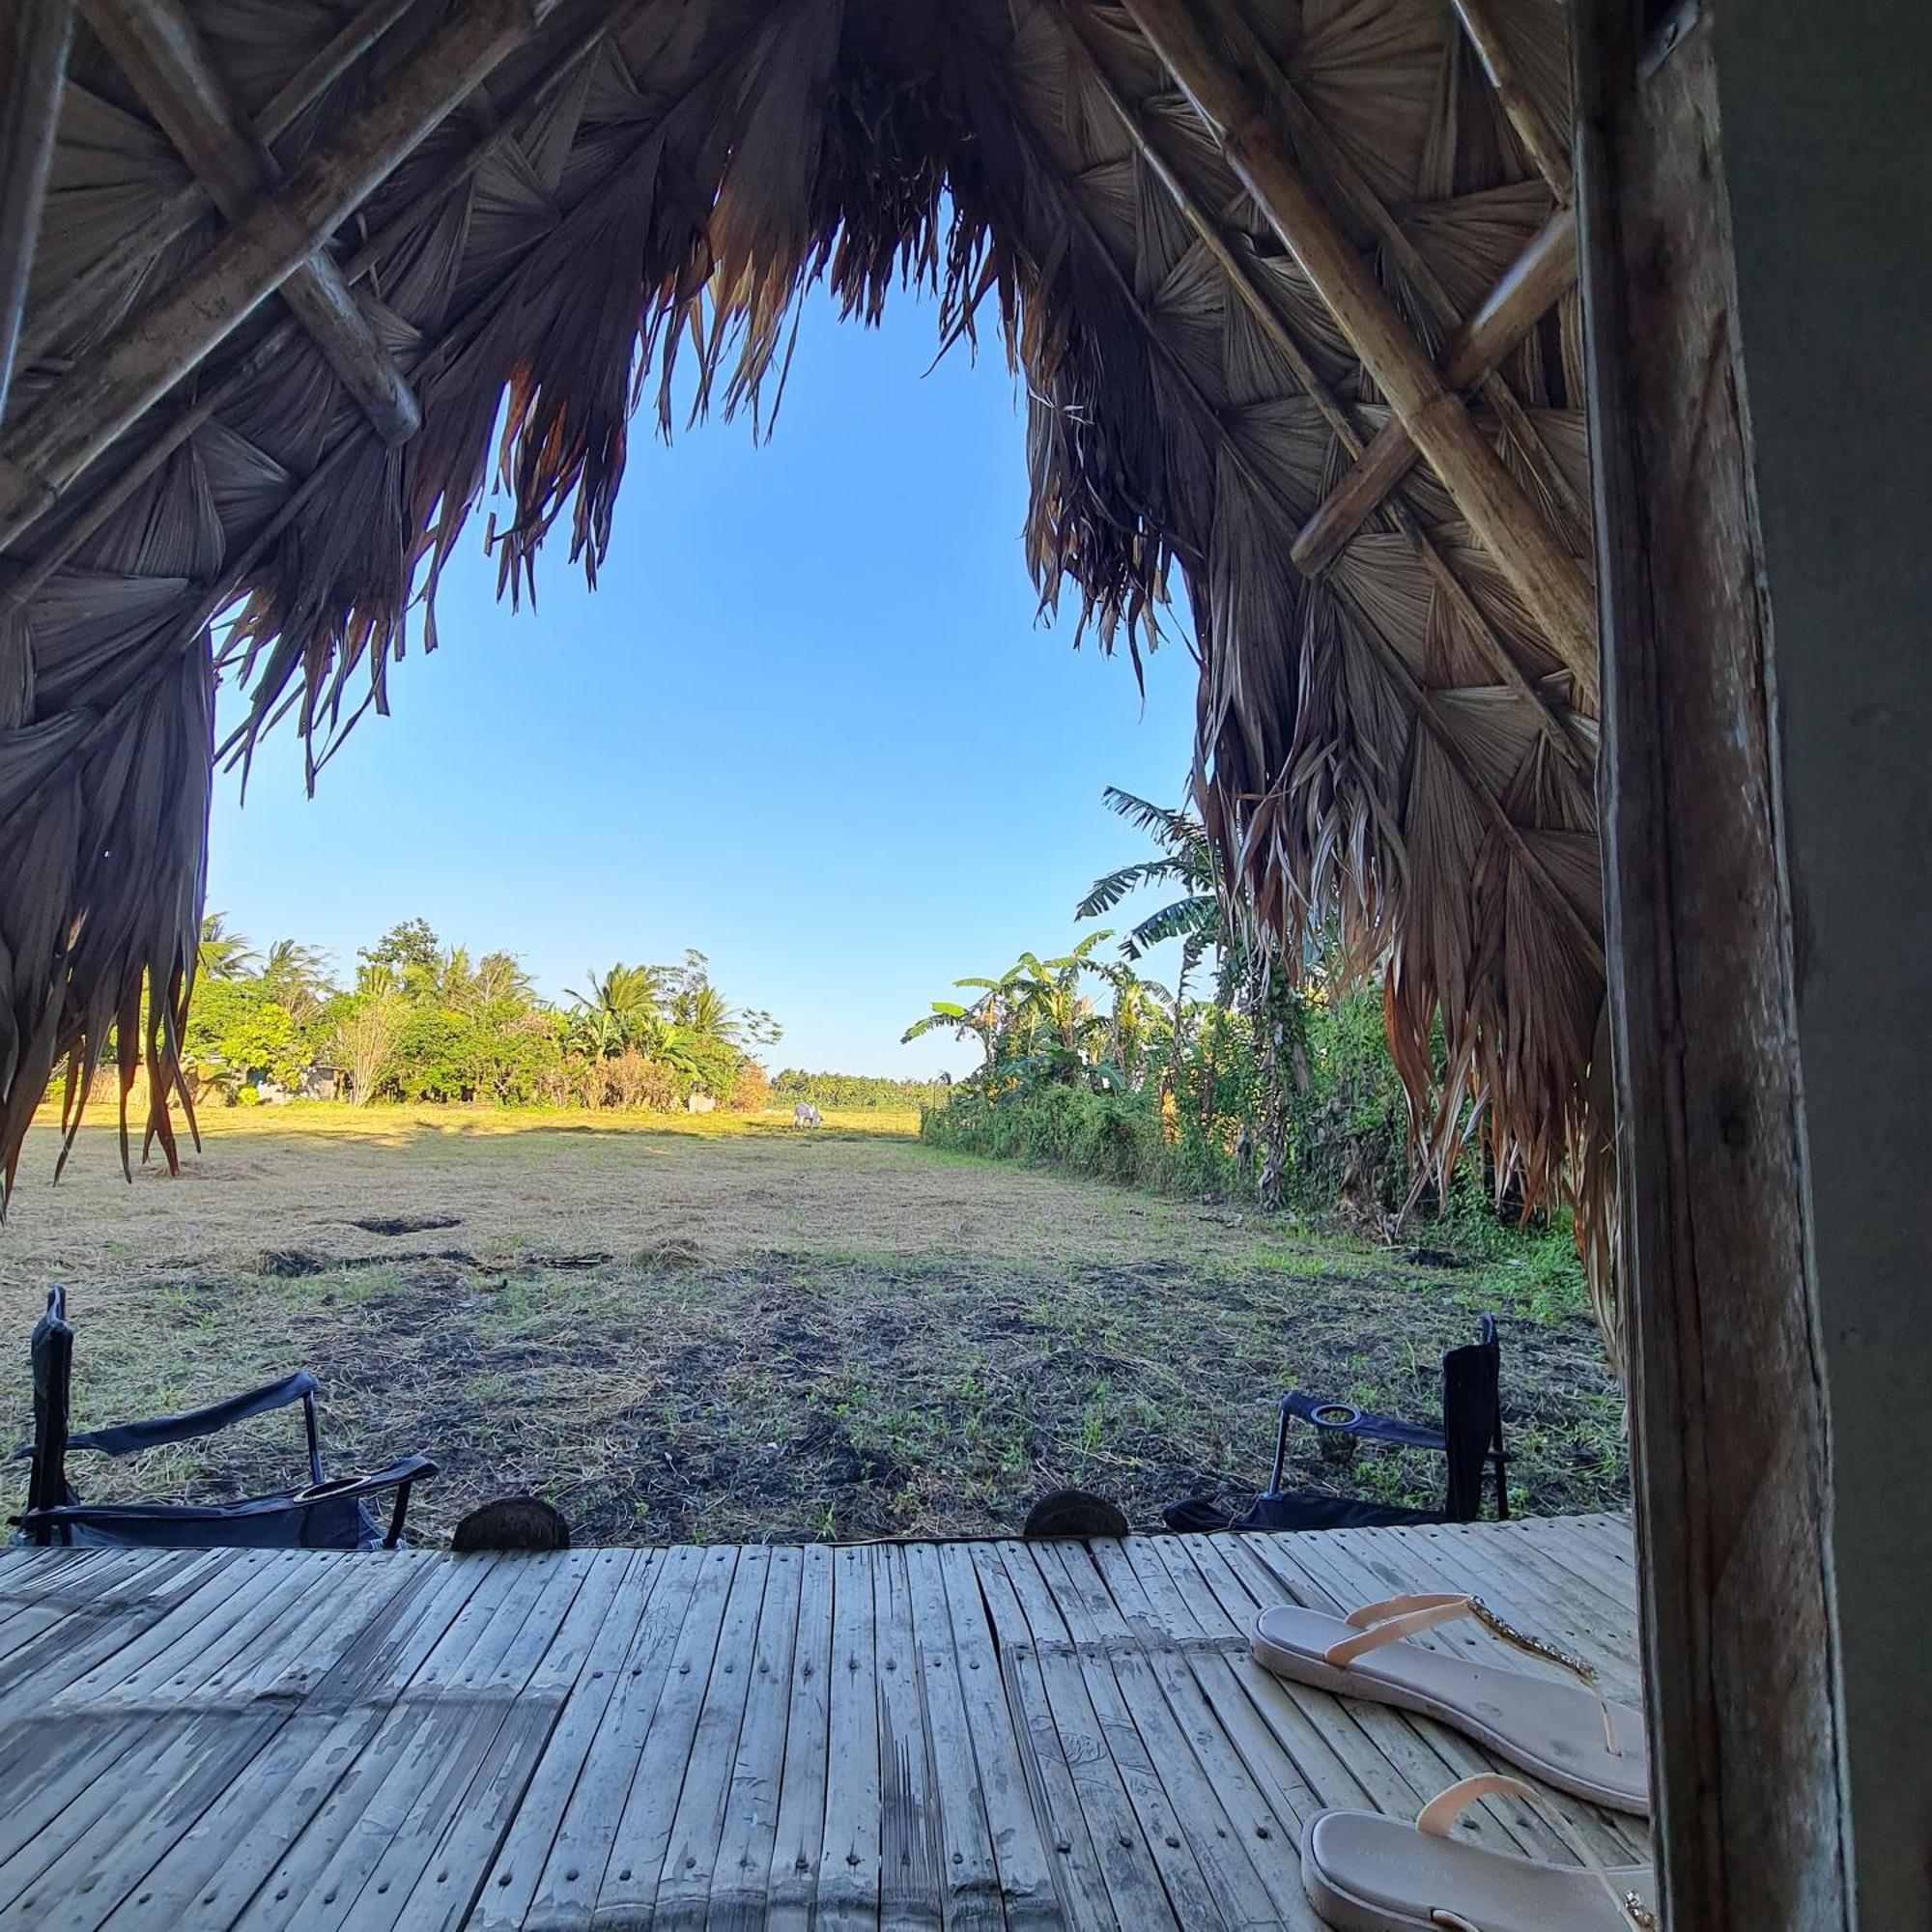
(1251, 261)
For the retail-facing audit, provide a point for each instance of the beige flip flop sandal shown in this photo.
(1365, 1873)
(1570, 1735)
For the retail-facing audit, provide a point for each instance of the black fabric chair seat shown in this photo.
(321, 1515)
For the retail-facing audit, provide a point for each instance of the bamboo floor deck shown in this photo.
(965, 1733)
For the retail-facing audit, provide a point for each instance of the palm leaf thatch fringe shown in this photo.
(1393, 747)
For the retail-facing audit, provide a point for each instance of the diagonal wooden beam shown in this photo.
(156, 44)
(152, 351)
(1539, 141)
(1550, 582)
(34, 42)
(1336, 167)
(1540, 276)
(1083, 38)
(61, 308)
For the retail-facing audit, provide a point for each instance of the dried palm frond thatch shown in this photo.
(1250, 260)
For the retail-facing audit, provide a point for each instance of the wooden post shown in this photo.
(36, 42)
(1536, 279)
(152, 351)
(156, 45)
(1730, 1419)
(1532, 128)
(1552, 585)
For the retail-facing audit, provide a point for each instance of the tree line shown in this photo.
(425, 1021)
(1248, 1076)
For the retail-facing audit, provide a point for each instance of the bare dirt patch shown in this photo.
(749, 1335)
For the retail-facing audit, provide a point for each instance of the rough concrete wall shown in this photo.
(1828, 148)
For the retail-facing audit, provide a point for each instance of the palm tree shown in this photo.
(623, 1006)
(297, 977)
(1197, 917)
(223, 954)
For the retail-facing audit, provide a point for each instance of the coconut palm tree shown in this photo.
(297, 977)
(623, 1008)
(223, 954)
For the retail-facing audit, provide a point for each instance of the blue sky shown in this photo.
(809, 724)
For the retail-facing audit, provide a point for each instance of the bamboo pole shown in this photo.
(1552, 585)
(156, 44)
(1336, 167)
(1079, 31)
(154, 349)
(83, 295)
(1532, 128)
(35, 42)
(1540, 276)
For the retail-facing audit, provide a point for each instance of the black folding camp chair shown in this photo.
(323, 1514)
(1470, 1441)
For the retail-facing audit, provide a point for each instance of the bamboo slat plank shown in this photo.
(968, 1792)
(509, 1881)
(39, 1589)
(111, 1832)
(566, 1885)
(156, 1597)
(463, 1746)
(1235, 1748)
(229, 1853)
(213, 1739)
(912, 1868)
(1239, 1840)
(742, 1871)
(1136, 1871)
(267, 1594)
(449, 1878)
(285, 1660)
(799, 1841)
(849, 1868)
(1081, 1859)
(1340, 1764)
(425, 1725)
(643, 1836)
(682, 1879)
(1211, 1651)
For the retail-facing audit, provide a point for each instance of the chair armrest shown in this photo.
(127, 1438)
(1367, 1423)
(393, 1475)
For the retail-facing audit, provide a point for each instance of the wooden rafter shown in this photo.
(67, 306)
(150, 352)
(36, 42)
(1539, 139)
(1533, 283)
(1080, 31)
(1552, 585)
(156, 46)
(1353, 187)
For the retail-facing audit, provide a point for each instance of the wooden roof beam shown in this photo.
(152, 351)
(36, 43)
(156, 46)
(1550, 582)
(1334, 167)
(63, 307)
(1538, 278)
(1550, 155)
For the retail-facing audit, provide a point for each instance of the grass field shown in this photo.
(729, 1329)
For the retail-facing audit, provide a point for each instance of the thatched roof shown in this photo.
(1230, 304)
